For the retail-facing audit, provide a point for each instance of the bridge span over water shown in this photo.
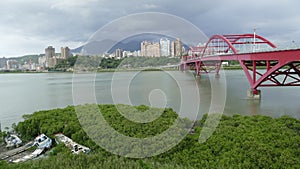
(263, 64)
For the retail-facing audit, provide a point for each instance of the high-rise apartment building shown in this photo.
(50, 52)
(172, 48)
(176, 48)
(150, 49)
(50, 57)
(119, 53)
(65, 52)
(164, 47)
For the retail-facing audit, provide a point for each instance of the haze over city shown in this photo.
(28, 27)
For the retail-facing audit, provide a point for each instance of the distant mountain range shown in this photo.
(132, 43)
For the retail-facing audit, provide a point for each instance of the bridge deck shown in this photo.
(283, 55)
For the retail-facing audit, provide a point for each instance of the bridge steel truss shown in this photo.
(262, 69)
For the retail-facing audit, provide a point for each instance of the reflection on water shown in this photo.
(27, 93)
(253, 106)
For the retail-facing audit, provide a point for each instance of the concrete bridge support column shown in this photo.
(254, 94)
(180, 67)
(183, 67)
(218, 67)
(198, 66)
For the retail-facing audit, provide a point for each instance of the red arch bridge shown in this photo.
(263, 64)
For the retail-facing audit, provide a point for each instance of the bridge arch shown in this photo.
(222, 44)
(235, 38)
(216, 40)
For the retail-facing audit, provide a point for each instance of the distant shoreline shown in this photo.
(116, 70)
(98, 71)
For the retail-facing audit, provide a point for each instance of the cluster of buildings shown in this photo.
(119, 53)
(47, 60)
(164, 47)
(51, 59)
(13, 64)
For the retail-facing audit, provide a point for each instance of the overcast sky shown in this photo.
(29, 26)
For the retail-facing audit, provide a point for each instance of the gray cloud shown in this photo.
(29, 26)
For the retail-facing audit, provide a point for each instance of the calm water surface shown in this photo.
(26, 93)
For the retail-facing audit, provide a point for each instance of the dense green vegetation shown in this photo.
(112, 63)
(238, 142)
(137, 62)
(2, 135)
(11, 71)
(66, 63)
(88, 62)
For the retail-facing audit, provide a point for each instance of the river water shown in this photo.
(26, 93)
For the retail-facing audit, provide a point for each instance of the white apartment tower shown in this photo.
(164, 47)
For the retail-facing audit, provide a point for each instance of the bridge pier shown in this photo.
(254, 94)
(197, 74)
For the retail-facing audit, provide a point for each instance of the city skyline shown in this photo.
(162, 47)
(50, 58)
(25, 30)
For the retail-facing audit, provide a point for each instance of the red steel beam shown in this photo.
(288, 55)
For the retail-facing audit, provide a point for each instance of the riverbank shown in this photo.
(32, 72)
(98, 70)
(115, 70)
(137, 69)
(237, 142)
